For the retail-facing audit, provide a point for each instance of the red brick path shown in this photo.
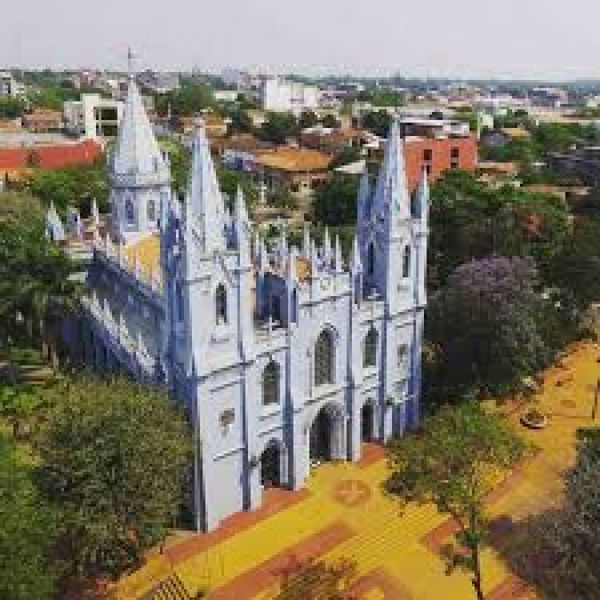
(274, 501)
(371, 453)
(252, 582)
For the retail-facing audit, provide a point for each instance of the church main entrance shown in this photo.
(327, 435)
(320, 437)
(270, 467)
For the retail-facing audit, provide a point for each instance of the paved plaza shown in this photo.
(343, 513)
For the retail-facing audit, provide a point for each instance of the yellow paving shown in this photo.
(390, 539)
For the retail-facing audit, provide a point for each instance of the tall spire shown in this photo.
(391, 193)
(327, 248)
(364, 197)
(204, 196)
(136, 150)
(54, 227)
(356, 264)
(421, 208)
(306, 246)
(338, 255)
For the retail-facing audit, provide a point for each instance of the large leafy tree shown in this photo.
(484, 323)
(454, 464)
(74, 185)
(278, 127)
(335, 201)
(114, 455)
(576, 268)
(559, 550)
(28, 531)
(472, 220)
(35, 274)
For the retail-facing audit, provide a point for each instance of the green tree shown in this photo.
(74, 185)
(35, 274)
(330, 121)
(189, 100)
(278, 127)
(114, 455)
(308, 118)
(576, 267)
(335, 201)
(11, 108)
(229, 181)
(484, 323)
(452, 464)
(28, 534)
(377, 122)
(470, 220)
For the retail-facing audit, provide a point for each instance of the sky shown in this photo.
(546, 39)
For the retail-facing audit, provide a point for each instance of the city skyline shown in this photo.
(534, 40)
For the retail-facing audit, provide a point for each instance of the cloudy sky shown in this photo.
(505, 38)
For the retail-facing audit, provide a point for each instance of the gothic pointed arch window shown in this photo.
(151, 210)
(324, 358)
(371, 259)
(221, 304)
(270, 384)
(370, 348)
(294, 307)
(129, 212)
(406, 258)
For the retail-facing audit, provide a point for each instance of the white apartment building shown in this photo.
(9, 86)
(92, 116)
(288, 96)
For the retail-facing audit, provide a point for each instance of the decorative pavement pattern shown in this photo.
(343, 514)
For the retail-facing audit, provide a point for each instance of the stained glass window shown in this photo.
(370, 349)
(270, 382)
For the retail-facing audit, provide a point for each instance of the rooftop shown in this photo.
(294, 160)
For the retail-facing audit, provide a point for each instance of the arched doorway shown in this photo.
(366, 422)
(327, 435)
(270, 466)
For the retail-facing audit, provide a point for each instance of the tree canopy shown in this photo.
(334, 201)
(113, 458)
(454, 463)
(28, 533)
(35, 274)
(484, 323)
(278, 127)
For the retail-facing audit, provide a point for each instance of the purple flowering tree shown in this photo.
(484, 325)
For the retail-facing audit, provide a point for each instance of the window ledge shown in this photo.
(221, 333)
(270, 411)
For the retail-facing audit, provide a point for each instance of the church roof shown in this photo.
(136, 151)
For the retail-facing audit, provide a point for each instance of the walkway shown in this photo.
(344, 514)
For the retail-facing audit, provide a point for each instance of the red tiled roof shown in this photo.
(49, 157)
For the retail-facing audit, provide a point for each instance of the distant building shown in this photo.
(298, 169)
(158, 83)
(9, 86)
(411, 126)
(93, 117)
(279, 95)
(330, 140)
(226, 95)
(43, 121)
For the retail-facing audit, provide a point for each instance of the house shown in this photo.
(93, 116)
(43, 121)
(330, 141)
(298, 169)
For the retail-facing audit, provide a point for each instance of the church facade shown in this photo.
(282, 356)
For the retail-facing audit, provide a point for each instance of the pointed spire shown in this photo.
(283, 244)
(107, 244)
(256, 252)
(314, 261)
(136, 150)
(306, 243)
(421, 206)
(95, 214)
(327, 248)
(242, 226)
(363, 207)
(338, 255)
(355, 261)
(391, 193)
(291, 266)
(204, 196)
(54, 227)
(137, 266)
